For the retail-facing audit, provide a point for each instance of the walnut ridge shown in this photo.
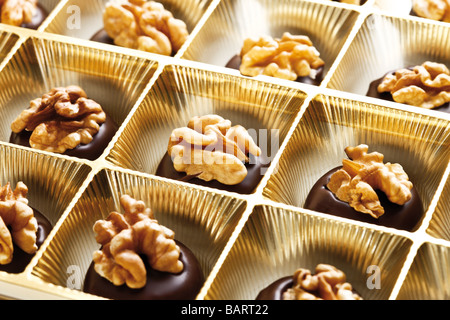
(210, 148)
(15, 212)
(62, 119)
(360, 177)
(328, 283)
(144, 25)
(288, 58)
(125, 237)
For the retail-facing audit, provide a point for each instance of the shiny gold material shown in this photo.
(243, 242)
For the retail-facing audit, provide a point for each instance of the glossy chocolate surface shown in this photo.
(406, 217)
(235, 63)
(373, 92)
(160, 285)
(20, 258)
(276, 289)
(102, 37)
(255, 169)
(90, 151)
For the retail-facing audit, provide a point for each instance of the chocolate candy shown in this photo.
(160, 285)
(255, 173)
(102, 37)
(235, 63)
(405, 217)
(90, 151)
(20, 258)
(373, 92)
(276, 289)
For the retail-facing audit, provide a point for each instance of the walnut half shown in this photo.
(125, 237)
(288, 58)
(357, 181)
(17, 12)
(15, 213)
(328, 283)
(438, 10)
(210, 148)
(144, 25)
(426, 86)
(61, 120)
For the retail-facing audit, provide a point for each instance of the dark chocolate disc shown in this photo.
(275, 290)
(235, 63)
(102, 37)
(255, 172)
(20, 258)
(160, 285)
(406, 217)
(39, 16)
(90, 151)
(373, 92)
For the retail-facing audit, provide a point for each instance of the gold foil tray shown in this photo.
(243, 242)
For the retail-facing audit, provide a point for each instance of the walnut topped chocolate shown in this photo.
(62, 119)
(328, 283)
(438, 10)
(289, 58)
(211, 149)
(144, 25)
(356, 183)
(124, 237)
(17, 12)
(19, 217)
(426, 86)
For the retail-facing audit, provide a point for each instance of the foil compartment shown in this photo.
(203, 221)
(419, 143)
(52, 183)
(439, 226)
(223, 34)
(83, 19)
(429, 275)
(276, 241)
(182, 92)
(113, 80)
(372, 53)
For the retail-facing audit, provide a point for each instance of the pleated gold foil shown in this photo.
(115, 81)
(243, 242)
(372, 53)
(83, 19)
(52, 184)
(275, 242)
(440, 223)
(7, 41)
(428, 277)
(203, 221)
(223, 34)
